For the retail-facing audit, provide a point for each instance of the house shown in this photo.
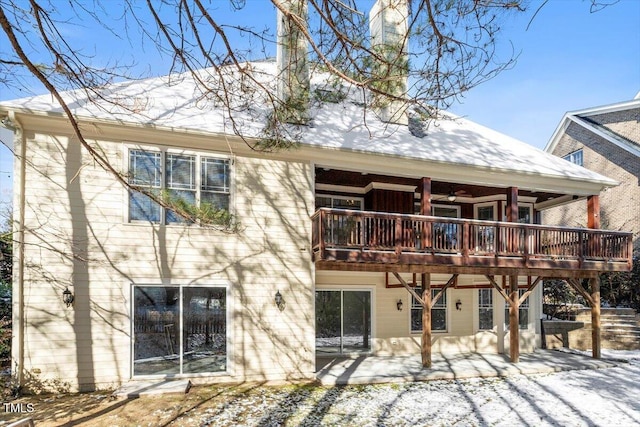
(606, 140)
(366, 238)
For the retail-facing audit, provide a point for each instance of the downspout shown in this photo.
(17, 300)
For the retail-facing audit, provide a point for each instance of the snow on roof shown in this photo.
(178, 102)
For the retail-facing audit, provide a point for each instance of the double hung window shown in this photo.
(185, 180)
(575, 157)
(438, 312)
(485, 309)
(523, 312)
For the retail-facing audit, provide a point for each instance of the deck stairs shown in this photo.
(620, 327)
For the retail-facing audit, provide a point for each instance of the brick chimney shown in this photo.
(388, 27)
(292, 63)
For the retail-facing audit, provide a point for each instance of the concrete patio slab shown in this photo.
(142, 388)
(393, 369)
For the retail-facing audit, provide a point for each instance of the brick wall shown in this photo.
(620, 206)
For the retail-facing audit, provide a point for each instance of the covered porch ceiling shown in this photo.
(464, 191)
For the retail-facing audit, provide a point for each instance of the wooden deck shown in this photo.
(374, 241)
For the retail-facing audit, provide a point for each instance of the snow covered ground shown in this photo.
(604, 397)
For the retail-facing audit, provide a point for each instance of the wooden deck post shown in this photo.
(512, 204)
(512, 216)
(514, 320)
(596, 326)
(426, 320)
(425, 209)
(593, 212)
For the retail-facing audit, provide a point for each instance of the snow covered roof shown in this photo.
(179, 102)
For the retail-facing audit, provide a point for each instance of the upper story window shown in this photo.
(575, 157)
(192, 179)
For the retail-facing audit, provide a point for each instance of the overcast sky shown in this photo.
(569, 59)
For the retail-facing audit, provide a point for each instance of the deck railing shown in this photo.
(416, 234)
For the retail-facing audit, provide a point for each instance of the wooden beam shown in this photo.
(581, 290)
(593, 211)
(451, 281)
(512, 204)
(406, 285)
(596, 326)
(499, 288)
(425, 209)
(564, 273)
(514, 323)
(425, 197)
(426, 320)
(530, 289)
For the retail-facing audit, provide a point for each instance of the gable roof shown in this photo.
(176, 103)
(584, 118)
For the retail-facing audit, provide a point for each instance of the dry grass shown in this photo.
(101, 409)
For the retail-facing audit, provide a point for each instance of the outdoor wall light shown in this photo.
(67, 297)
(399, 305)
(458, 305)
(279, 301)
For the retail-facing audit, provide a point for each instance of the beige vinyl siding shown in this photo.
(77, 236)
(391, 328)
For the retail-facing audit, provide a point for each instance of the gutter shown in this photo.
(17, 301)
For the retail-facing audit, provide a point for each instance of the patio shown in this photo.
(395, 369)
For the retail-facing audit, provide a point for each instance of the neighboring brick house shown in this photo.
(606, 140)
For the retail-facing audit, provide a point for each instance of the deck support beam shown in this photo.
(514, 320)
(426, 320)
(593, 299)
(596, 327)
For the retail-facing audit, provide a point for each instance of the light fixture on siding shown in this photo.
(399, 305)
(458, 305)
(279, 301)
(67, 297)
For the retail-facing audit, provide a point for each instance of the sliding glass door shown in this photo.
(343, 321)
(179, 330)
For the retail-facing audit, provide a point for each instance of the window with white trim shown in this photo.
(485, 309)
(525, 213)
(523, 312)
(189, 178)
(575, 157)
(438, 312)
(179, 329)
(339, 202)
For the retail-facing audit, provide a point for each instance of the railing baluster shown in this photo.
(342, 229)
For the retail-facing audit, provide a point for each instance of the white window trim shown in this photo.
(485, 204)
(127, 147)
(476, 311)
(447, 308)
(529, 307)
(456, 207)
(569, 157)
(369, 288)
(229, 316)
(332, 196)
(520, 205)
